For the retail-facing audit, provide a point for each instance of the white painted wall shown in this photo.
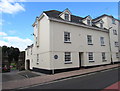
(78, 44)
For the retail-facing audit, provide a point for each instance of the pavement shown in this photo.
(16, 84)
(96, 81)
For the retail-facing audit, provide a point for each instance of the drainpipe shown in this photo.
(110, 46)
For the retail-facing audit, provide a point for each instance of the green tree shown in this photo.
(16, 53)
(10, 52)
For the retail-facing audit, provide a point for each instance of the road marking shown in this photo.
(68, 78)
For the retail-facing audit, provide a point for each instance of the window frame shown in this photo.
(67, 37)
(90, 56)
(89, 38)
(116, 44)
(101, 24)
(102, 41)
(113, 21)
(37, 58)
(67, 57)
(103, 56)
(88, 23)
(66, 16)
(114, 32)
(117, 55)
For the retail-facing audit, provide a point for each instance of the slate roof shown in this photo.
(103, 16)
(74, 19)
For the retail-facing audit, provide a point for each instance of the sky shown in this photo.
(16, 18)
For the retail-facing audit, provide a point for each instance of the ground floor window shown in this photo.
(67, 57)
(103, 56)
(117, 55)
(37, 58)
(90, 56)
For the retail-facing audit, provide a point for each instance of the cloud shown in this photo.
(2, 43)
(10, 6)
(14, 41)
(3, 34)
(17, 42)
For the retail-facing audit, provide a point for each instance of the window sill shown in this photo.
(104, 60)
(90, 44)
(91, 61)
(37, 63)
(68, 62)
(67, 42)
(102, 45)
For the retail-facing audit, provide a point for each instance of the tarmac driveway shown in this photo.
(18, 75)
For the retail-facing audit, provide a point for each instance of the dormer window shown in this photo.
(113, 21)
(88, 22)
(67, 17)
(101, 25)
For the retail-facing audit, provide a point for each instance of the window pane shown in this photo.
(66, 36)
(67, 56)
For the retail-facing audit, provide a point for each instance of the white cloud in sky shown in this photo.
(10, 6)
(15, 41)
(3, 34)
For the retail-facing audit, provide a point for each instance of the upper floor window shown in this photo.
(31, 51)
(27, 52)
(113, 21)
(88, 22)
(116, 44)
(90, 56)
(67, 37)
(67, 17)
(115, 32)
(89, 39)
(67, 57)
(102, 41)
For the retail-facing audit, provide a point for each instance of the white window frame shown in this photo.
(101, 25)
(113, 21)
(102, 41)
(31, 51)
(103, 56)
(117, 55)
(67, 57)
(89, 39)
(90, 56)
(114, 32)
(116, 44)
(37, 58)
(88, 22)
(27, 52)
(67, 16)
(67, 37)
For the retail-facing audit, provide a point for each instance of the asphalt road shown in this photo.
(98, 80)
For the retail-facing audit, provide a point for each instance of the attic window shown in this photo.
(67, 17)
(101, 25)
(113, 21)
(88, 22)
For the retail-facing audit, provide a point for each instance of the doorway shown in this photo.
(80, 59)
(28, 64)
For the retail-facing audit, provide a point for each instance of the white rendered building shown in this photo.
(64, 41)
